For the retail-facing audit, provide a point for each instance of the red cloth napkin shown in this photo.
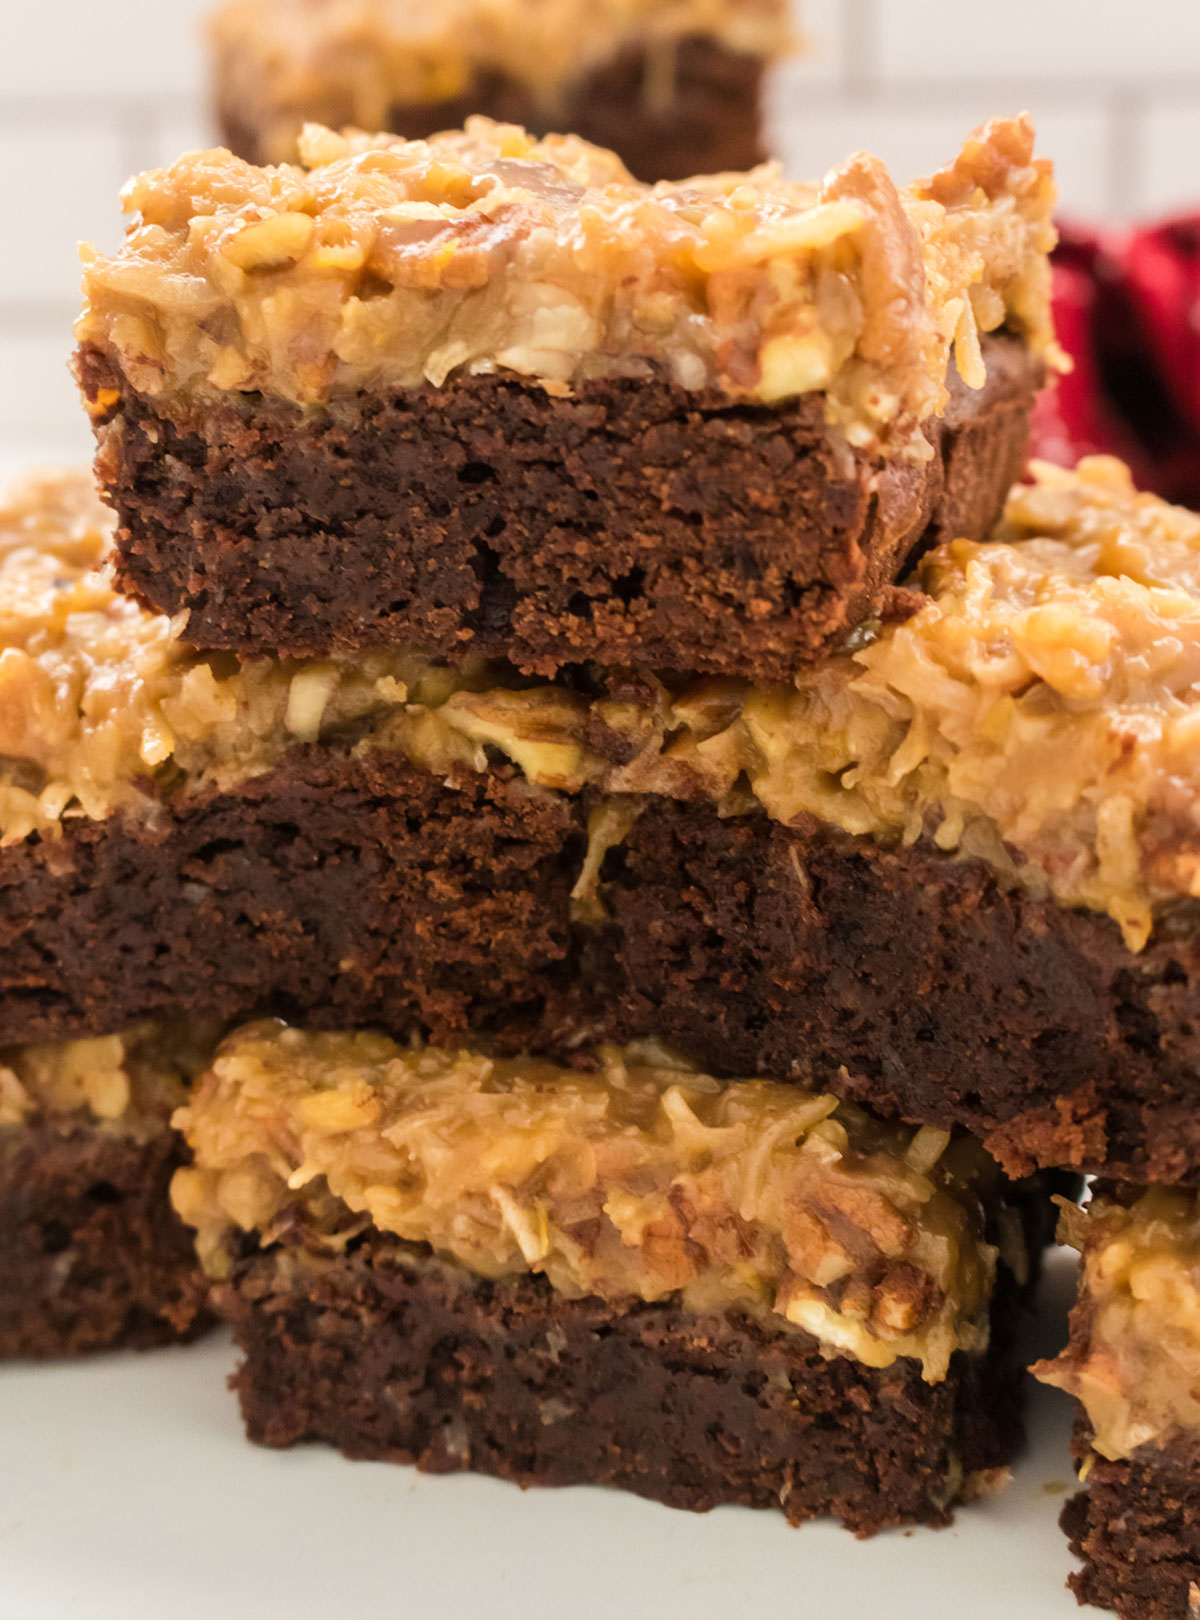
(1127, 306)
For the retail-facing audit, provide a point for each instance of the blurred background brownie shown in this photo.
(673, 86)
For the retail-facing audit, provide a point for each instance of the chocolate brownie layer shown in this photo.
(916, 983)
(709, 121)
(386, 1354)
(92, 1255)
(366, 891)
(625, 523)
(361, 889)
(1137, 1529)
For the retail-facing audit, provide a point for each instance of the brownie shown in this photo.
(776, 949)
(92, 1257)
(1132, 1362)
(710, 120)
(388, 1355)
(361, 890)
(1137, 1529)
(486, 394)
(630, 1272)
(487, 516)
(367, 891)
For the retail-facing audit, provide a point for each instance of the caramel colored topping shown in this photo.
(102, 707)
(129, 1082)
(69, 651)
(1042, 709)
(383, 263)
(284, 62)
(1039, 711)
(1134, 1356)
(644, 1179)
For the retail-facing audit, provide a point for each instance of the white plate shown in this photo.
(128, 1493)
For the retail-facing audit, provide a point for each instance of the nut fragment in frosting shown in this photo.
(643, 1179)
(379, 263)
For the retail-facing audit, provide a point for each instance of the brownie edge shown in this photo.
(357, 890)
(92, 1257)
(1136, 1527)
(627, 523)
(386, 1354)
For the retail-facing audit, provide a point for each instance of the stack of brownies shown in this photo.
(489, 527)
(568, 809)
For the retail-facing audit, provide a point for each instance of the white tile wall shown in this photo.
(66, 193)
(824, 25)
(91, 91)
(98, 49)
(1079, 42)
(40, 415)
(1170, 151)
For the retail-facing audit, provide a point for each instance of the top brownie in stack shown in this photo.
(673, 86)
(490, 395)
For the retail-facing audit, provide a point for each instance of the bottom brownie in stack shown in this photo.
(635, 1274)
(1134, 1365)
(90, 1255)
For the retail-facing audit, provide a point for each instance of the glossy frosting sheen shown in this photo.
(380, 263)
(640, 1179)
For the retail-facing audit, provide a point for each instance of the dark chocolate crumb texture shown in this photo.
(629, 522)
(386, 1355)
(1136, 1529)
(92, 1257)
(491, 396)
